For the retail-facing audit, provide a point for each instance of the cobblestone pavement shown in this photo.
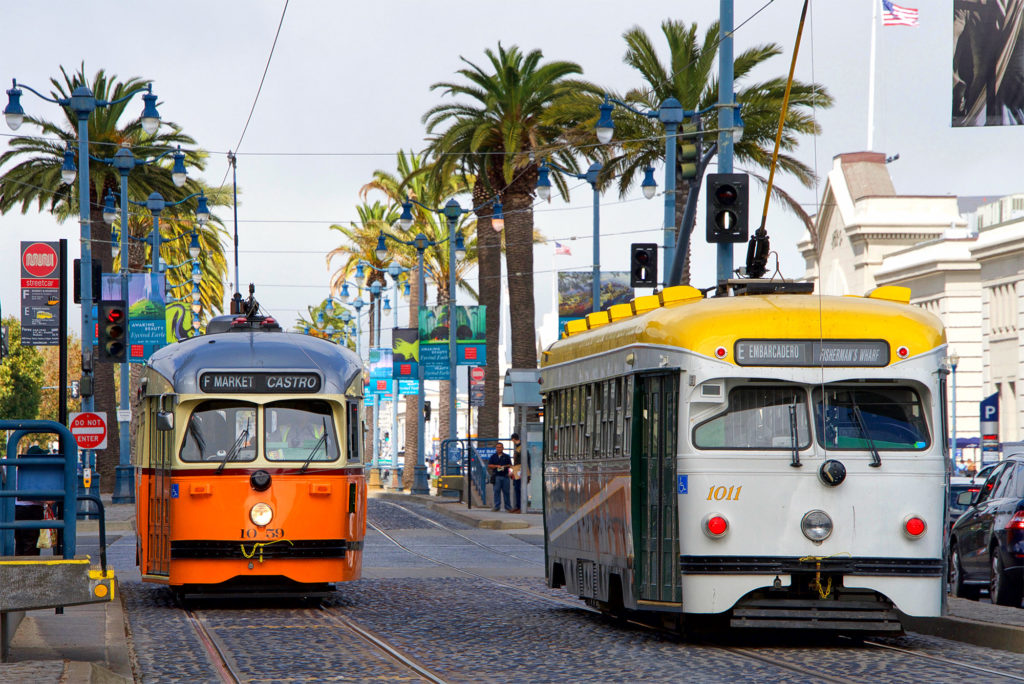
(471, 628)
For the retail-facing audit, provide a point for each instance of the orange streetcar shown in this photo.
(249, 472)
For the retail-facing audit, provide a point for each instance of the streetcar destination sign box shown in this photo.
(830, 353)
(259, 382)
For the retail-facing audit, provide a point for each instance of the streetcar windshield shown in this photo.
(857, 417)
(758, 417)
(218, 428)
(300, 431)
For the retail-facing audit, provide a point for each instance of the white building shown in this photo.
(963, 262)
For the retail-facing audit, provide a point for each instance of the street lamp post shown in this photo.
(124, 161)
(394, 270)
(82, 102)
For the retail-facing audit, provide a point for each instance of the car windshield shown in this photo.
(300, 431)
(758, 417)
(857, 418)
(215, 427)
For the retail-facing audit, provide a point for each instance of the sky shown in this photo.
(348, 83)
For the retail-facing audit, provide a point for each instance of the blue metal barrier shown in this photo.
(50, 477)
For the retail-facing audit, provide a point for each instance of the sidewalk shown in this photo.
(87, 643)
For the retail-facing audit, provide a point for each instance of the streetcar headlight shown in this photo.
(261, 514)
(816, 525)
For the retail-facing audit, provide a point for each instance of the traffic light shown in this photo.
(97, 279)
(426, 411)
(727, 207)
(643, 264)
(113, 324)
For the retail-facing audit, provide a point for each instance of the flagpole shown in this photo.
(871, 75)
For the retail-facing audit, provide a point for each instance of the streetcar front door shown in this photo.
(656, 527)
(158, 548)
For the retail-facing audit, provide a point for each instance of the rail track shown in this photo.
(768, 656)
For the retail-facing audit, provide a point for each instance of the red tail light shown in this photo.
(1016, 522)
(715, 525)
(914, 527)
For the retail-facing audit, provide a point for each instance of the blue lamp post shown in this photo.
(421, 243)
(394, 270)
(124, 161)
(82, 103)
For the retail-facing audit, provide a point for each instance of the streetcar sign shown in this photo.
(830, 353)
(89, 429)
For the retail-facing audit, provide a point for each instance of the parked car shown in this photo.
(957, 486)
(987, 541)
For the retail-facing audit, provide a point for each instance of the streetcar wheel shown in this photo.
(1004, 588)
(956, 577)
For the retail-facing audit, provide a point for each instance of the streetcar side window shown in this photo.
(300, 430)
(757, 417)
(220, 430)
(855, 417)
(353, 427)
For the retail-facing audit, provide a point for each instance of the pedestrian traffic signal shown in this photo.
(643, 264)
(74, 390)
(426, 411)
(727, 201)
(113, 333)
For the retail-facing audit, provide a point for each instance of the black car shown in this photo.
(987, 541)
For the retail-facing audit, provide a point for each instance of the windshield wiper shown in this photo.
(235, 448)
(876, 460)
(316, 447)
(793, 437)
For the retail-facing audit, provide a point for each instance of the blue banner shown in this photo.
(408, 386)
(434, 358)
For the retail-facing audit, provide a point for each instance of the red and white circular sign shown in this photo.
(39, 260)
(89, 430)
(476, 374)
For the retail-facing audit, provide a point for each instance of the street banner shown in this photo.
(380, 363)
(408, 386)
(433, 342)
(179, 321)
(576, 293)
(405, 353)
(147, 315)
(470, 338)
(40, 294)
(987, 70)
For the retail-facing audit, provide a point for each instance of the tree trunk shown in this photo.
(411, 417)
(488, 244)
(105, 394)
(519, 261)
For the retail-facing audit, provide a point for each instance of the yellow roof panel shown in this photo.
(702, 325)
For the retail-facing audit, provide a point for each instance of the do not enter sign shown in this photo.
(89, 430)
(476, 375)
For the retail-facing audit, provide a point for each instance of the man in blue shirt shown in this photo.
(498, 465)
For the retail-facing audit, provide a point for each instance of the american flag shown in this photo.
(561, 249)
(894, 15)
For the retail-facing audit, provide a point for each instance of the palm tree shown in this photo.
(35, 178)
(502, 135)
(417, 180)
(688, 76)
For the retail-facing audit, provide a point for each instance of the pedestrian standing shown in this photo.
(499, 465)
(517, 471)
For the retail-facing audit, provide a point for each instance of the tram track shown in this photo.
(228, 670)
(956, 666)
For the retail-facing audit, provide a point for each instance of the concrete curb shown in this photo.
(987, 634)
(447, 508)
